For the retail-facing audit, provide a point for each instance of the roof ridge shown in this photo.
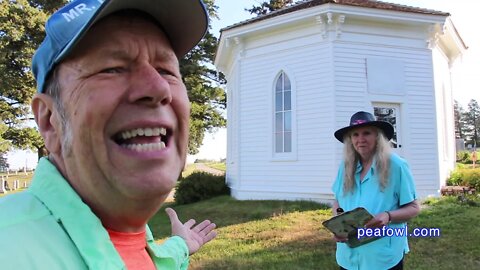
(304, 4)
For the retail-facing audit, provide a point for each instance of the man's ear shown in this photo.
(48, 121)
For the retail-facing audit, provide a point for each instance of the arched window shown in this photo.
(283, 114)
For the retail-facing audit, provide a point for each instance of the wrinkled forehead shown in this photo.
(117, 27)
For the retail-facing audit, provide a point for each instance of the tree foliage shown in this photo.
(471, 117)
(459, 119)
(22, 30)
(467, 122)
(3, 163)
(269, 6)
(204, 83)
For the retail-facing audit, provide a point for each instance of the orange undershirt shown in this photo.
(131, 247)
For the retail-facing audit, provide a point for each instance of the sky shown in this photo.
(466, 79)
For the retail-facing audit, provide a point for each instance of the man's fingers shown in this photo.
(208, 229)
(209, 236)
(189, 223)
(201, 226)
(172, 215)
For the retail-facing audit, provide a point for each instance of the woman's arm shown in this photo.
(334, 212)
(403, 214)
(334, 207)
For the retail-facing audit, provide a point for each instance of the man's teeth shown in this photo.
(145, 147)
(148, 132)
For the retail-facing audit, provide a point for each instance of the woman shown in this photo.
(373, 177)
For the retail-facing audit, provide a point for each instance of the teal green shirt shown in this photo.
(388, 251)
(49, 227)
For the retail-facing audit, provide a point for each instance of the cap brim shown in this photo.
(386, 127)
(184, 22)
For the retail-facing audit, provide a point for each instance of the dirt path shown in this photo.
(204, 168)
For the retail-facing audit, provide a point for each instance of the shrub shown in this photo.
(455, 178)
(464, 157)
(471, 178)
(200, 186)
(465, 177)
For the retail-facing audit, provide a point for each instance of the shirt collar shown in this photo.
(360, 167)
(76, 218)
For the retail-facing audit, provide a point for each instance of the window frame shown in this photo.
(292, 155)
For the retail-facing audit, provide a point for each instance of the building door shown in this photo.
(391, 113)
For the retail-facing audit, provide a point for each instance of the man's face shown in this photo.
(127, 109)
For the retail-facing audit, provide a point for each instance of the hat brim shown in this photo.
(184, 22)
(385, 127)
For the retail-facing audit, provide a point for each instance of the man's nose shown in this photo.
(148, 87)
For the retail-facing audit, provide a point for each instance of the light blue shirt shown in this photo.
(388, 251)
(49, 227)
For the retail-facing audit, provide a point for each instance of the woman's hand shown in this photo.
(378, 221)
(340, 239)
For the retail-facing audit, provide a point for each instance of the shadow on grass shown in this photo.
(283, 235)
(226, 211)
(304, 252)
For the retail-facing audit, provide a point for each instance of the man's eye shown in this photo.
(112, 70)
(165, 72)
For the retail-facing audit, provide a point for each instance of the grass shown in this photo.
(219, 166)
(459, 244)
(21, 177)
(189, 169)
(289, 235)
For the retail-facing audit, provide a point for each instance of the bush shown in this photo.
(465, 177)
(471, 178)
(200, 186)
(455, 178)
(464, 157)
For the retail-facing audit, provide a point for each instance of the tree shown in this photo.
(459, 118)
(207, 98)
(269, 6)
(4, 144)
(3, 163)
(472, 121)
(22, 30)
(4, 147)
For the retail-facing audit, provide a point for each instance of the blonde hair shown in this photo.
(351, 158)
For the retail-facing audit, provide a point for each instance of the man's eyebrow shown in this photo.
(115, 54)
(118, 54)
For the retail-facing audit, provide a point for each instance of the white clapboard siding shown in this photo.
(327, 67)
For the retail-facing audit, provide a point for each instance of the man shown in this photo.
(114, 114)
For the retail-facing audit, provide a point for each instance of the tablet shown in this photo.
(347, 224)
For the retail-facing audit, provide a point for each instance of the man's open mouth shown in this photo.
(143, 139)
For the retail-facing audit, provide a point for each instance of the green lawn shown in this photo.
(218, 166)
(21, 177)
(289, 235)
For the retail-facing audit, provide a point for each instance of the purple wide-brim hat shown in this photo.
(362, 119)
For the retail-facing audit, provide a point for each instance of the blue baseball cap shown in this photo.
(185, 22)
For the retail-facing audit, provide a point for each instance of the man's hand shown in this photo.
(195, 237)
